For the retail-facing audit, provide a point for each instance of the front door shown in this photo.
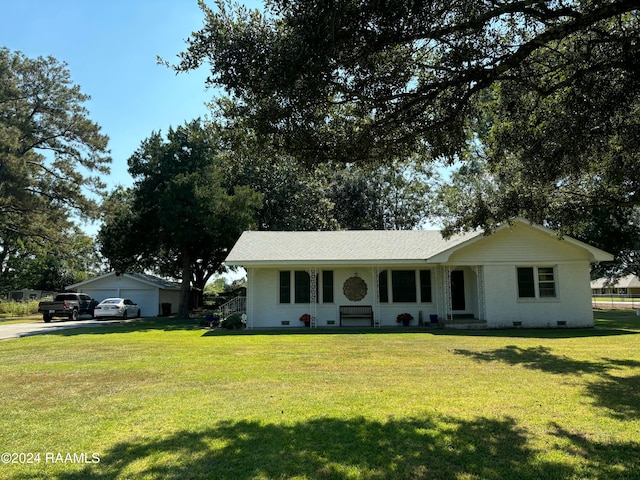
(457, 290)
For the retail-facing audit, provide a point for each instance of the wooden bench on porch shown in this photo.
(356, 312)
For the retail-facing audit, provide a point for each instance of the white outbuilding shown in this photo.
(148, 291)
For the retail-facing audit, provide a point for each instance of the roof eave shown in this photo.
(277, 263)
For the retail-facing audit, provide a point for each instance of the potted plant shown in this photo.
(306, 318)
(404, 318)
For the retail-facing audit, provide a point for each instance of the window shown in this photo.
(383, 288)
(546, 282)
(285, 287)
(526, 284)
(536, 282)
(302, 287)
(403, 285)
(425, 286)
(327, 286)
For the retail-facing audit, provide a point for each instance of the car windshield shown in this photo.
(111, 300)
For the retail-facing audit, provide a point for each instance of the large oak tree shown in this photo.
(544, 94)
(178, 219)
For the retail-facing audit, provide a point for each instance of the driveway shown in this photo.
(17, 330)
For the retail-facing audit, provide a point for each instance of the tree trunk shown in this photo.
(183, 307)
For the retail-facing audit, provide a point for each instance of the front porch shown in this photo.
(452, 295)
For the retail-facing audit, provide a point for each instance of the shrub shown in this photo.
(18, 309)
(209, 319)
(232, 322)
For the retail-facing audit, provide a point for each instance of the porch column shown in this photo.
(376, 296)
(479, 269)
(313, 296)
(446, 303)
(249, 306)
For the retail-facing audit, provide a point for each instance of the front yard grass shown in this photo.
(163, 399)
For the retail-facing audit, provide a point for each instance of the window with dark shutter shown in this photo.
(285, 287)
(403, 285)
(302, 285)
(425, 286)
(327, 286)
(383, 287)
(526, 283)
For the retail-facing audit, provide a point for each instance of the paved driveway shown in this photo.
(17, 330)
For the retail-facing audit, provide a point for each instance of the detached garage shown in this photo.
(147, 291)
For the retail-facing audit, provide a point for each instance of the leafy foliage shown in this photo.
(178, 218)
(293, 196)
(542, 96)
(398, 196)
(48, 151)
(370, 81)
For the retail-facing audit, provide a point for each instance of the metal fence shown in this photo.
(615, 300)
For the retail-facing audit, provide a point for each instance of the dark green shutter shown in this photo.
(327, 286)
(285, 287)
(526, 283)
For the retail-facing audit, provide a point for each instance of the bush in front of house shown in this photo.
(232, 322)
(209, 319)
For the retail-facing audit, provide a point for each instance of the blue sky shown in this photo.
(110, 47)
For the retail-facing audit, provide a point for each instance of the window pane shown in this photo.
(383, 288)
(526, 284)
(327, 286)
(545, 274)
(403, 285)
(425, 286)
(546, 282)
(285, 287)
(303, 285)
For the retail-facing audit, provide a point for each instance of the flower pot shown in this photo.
(406, 322)
(307, 324)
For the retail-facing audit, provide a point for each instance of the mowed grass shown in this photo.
(166, 399)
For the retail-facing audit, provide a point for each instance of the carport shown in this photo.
(148, 291)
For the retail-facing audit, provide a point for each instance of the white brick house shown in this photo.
(521, 275)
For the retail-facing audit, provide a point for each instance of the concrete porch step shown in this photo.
(465, 323)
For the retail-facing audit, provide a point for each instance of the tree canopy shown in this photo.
(51, 156)
(178, 218)
(354, 81)
(543, 95)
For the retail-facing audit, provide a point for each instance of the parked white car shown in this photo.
(116, 307)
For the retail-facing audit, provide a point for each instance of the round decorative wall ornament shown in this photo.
(354, 288)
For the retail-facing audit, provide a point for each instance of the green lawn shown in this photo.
(154, 399)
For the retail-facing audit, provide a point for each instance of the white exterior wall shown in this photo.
(572, 303)
(146, 296)
(523, 246)
(499, 255)
(264, 309)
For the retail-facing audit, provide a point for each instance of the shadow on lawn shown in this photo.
(501, 333)
(612, 323)
(434, 447)
(618, 394)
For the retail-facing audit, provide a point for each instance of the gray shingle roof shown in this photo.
(628, 281)
(352, 246)
(142, 277)
(156, 281)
